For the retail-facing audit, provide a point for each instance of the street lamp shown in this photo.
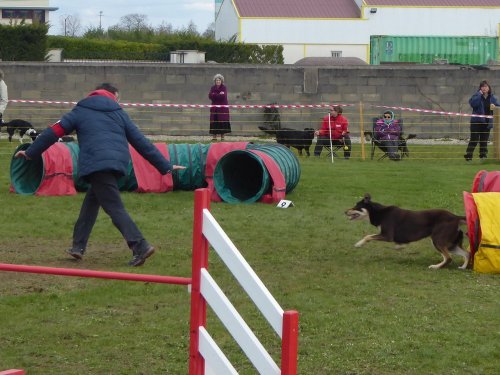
(65, 27)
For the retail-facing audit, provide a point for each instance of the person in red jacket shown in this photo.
(334, 127)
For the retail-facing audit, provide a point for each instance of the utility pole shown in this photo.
(100, 19)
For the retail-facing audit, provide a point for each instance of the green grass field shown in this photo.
(370, 310)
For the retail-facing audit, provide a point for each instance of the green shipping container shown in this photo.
(465, 50)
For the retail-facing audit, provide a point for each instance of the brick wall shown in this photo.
(441, 88)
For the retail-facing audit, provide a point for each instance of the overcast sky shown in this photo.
(176, 12)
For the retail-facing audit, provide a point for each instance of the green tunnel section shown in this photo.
(26, 175)
(194, 157)
(286, 160)
(240, 176)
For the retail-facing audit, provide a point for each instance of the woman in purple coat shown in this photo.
(219, 116)
(387, 131)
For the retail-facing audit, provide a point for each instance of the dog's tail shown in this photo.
(267, 130)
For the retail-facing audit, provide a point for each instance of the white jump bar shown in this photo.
(236, 326)
(242, 271)
(216, 363)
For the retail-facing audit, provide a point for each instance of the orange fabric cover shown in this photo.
(149, 180)
(58, 172)
(485, 181)
(278, 180)
(473, 228)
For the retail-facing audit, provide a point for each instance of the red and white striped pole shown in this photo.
(198, 302)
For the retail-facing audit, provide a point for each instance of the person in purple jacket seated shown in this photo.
(104, 131)
(387, 132)
(219, 116)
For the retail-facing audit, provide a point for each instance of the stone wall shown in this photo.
(440, 88)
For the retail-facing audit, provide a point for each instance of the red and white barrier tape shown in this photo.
(167, 105)
(192, 105)
(431, 111)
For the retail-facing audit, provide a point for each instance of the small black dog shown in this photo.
(22, 126)
(300, 139)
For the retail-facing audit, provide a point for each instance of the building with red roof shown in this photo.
(342, 28)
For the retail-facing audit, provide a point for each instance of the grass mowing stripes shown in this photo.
(373, 310)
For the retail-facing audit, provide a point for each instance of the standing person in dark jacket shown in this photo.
(104, 131)
(219, 116)
(482, 102)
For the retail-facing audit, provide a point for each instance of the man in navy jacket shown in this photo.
(104, 131)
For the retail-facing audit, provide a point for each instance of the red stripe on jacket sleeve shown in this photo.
(58, 129)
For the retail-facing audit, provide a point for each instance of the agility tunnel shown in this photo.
(234, 172)
(250, 174)
(481, 210)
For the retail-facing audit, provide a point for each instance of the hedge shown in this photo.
(222, 52)
(23, 42)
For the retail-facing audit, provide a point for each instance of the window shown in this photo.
(336, 53)
(39, 16)
(24, 14)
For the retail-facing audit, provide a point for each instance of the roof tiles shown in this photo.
(298, 8)
(434, 3)
(338, 8)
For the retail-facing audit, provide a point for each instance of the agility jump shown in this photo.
(205, 357)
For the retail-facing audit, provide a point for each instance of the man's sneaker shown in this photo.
(140, 257)
(468, 157)
(76, 253)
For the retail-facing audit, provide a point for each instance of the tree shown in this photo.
(94, 33)
(133, 22)
(164, 29)
(210, 31)
(189, 30)
(70, 25)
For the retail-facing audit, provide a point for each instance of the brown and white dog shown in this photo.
(404, 226)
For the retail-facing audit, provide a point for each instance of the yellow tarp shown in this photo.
(487, 257)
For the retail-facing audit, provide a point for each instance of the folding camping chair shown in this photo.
(375, 143)
(336, 146)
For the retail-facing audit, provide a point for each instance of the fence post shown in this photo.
(496, 133)
(198, 303)
(362, 131)
(289, 343)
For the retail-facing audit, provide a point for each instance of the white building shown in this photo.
(342, 28)
(15, 11)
